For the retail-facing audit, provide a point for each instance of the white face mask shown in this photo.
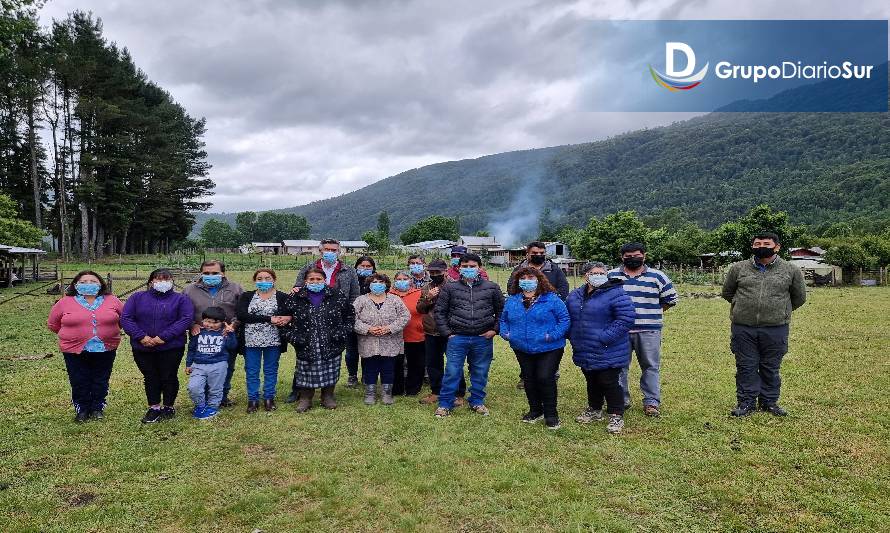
(162, 286)
(596, 280)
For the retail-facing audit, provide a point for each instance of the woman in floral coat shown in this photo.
(322, 321)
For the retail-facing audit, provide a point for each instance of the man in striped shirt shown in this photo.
(652, 293)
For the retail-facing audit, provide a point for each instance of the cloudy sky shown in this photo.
(314, 98)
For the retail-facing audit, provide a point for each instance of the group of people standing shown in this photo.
(430, 320)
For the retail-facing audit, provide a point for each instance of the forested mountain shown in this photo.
(819, 167)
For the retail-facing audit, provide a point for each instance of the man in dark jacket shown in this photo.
(762, 292)
(468, 312)
(338, 275)
(536, 257)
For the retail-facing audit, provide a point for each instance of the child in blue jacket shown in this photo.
(207, 361)
(535, 322)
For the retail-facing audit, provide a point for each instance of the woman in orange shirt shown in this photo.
(414, 354)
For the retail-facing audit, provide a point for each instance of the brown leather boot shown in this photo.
(305, 402)
(327, 398)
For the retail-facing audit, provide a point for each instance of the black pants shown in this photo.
(377, 365)
(89, 373)
(758, 356)
(352, 354)
(539, 372)
(160, 371)
(604, 384)
(415, 359)
(434, 346)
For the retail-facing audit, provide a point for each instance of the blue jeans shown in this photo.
(647, 346)
(478, 353)
(267, 357)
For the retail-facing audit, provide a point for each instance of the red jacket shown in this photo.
(413, 332)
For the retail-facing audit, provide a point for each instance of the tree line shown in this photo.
(91, 150)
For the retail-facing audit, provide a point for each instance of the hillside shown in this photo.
(817, 166)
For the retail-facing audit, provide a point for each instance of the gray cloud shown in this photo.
(307, 100)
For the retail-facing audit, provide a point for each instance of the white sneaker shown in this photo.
(616, 424)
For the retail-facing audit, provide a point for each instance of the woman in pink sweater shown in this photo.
(87, 321)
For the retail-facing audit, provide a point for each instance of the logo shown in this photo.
(681, 80)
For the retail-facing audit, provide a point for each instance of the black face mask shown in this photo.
(764, 252)
(633, 263)
(536, 259)
(438, 279)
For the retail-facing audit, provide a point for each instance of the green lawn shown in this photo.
(359, 468)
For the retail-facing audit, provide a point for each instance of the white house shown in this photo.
(353, 247)
(300, 246)
(558, 250)
(478, 244)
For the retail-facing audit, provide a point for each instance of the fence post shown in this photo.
(110, 283)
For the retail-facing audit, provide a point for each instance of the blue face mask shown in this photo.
(377, 287)
(469, 272)
(401, 284)
(211, 280)
(315, 287)
(364, 272)
(455, 261)
(597, 279)
(415, 269)
(265, 285)
(329, 257)
(528, 285)
(87, 289)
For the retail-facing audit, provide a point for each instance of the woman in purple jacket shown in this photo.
(157, 320)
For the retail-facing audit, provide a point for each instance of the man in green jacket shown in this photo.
(762, 292)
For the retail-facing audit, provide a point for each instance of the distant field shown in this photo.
(824, 468)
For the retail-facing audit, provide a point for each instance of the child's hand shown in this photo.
(188, 370)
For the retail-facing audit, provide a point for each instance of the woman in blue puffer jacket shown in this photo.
(535, 322)
(601, 315)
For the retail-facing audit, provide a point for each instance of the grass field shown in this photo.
(358, 468)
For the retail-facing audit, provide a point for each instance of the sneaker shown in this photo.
(774, 409)
(651, 410)
(430, 399)
(531, 418)
(742, 410)
(590, 415)
(616, 424)
(98, 414)
(198, 411)
(480, 409)
(209, 412)
(552, 423)
(168, 412)
(82, 416)
(352, 382)
(442, 412)
(152, 416)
